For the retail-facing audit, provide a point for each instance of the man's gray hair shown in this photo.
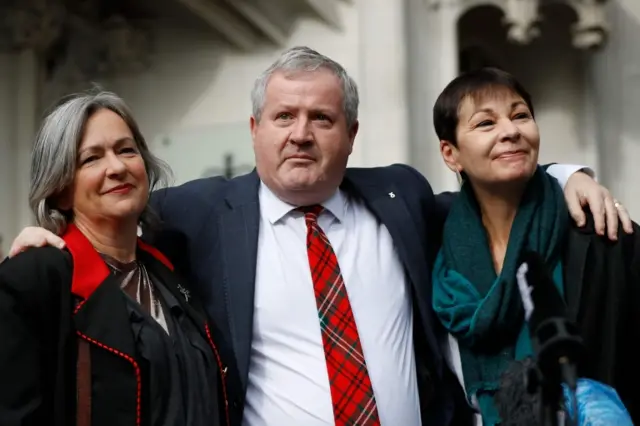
(305, 59)
(55, 155)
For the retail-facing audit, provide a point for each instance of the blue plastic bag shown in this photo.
(598, 405)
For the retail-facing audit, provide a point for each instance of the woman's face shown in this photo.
(111, 182)
(498, 139)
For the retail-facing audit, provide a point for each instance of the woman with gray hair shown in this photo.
(104, 332)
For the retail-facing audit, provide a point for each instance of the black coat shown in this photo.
(51, 303)
(602, 290)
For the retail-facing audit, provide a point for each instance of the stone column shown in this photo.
(31, 28)
(19, 110)
(7, 170)
(433, 47)
(448, 68)
(27, 115)
(384, 133)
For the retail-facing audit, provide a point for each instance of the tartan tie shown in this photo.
(351, 390)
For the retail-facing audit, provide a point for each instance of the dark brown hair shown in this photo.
(475, 84)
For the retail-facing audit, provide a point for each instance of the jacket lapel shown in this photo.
(174, 285)
(238, 226)
(387, 203)
(575, 261)
(103, 318)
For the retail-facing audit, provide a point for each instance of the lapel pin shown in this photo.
(186, 293)
(392, 195)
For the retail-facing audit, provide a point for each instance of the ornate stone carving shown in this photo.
(113, 48)
(73, 35)
(591, 29)
(521, 17)
(33, 24)
(124, 48)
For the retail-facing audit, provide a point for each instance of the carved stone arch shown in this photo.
(589, 27)
(522, 18)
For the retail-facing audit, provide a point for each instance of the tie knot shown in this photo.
(311, 213)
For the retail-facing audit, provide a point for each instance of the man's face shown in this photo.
(302, 142)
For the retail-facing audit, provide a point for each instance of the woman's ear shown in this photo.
(450, 156)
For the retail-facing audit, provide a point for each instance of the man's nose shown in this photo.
(301, 132)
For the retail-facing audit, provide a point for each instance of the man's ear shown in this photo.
(353, 131)
(253, 126)
(450, 155)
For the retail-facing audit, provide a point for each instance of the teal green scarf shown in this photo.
(482, 310)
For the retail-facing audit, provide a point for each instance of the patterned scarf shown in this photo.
(135, 282)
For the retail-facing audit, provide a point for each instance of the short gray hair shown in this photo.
(55, 152)
(302, 58)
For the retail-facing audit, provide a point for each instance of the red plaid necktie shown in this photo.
(351, 390)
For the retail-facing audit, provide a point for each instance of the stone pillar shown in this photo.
(384, 134)
(19, 115)
(433, 47)
(27, 115)
(7, 170)
(614, 73)
(448, 69)
(32, 27)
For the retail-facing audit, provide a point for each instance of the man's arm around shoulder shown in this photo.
(183, 212)
(174, 202)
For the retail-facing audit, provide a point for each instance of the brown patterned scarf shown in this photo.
(135, 281)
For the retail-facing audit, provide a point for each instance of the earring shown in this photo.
(459, 177)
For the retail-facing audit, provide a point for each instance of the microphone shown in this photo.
(557, 344)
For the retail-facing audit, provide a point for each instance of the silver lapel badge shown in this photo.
(186, 293)
(392, 195)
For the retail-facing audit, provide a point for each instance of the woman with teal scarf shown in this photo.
(507, 204)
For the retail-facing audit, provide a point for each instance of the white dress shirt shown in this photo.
(288, 382)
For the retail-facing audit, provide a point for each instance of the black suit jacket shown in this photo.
(50, 302)
(211, 232)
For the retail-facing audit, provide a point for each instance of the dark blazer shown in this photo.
(212, 234)
(53, 301)
(602, 290)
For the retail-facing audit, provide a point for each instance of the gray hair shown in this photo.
(55, 152)
(305, 59)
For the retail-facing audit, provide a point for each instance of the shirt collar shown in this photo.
(274, 209)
